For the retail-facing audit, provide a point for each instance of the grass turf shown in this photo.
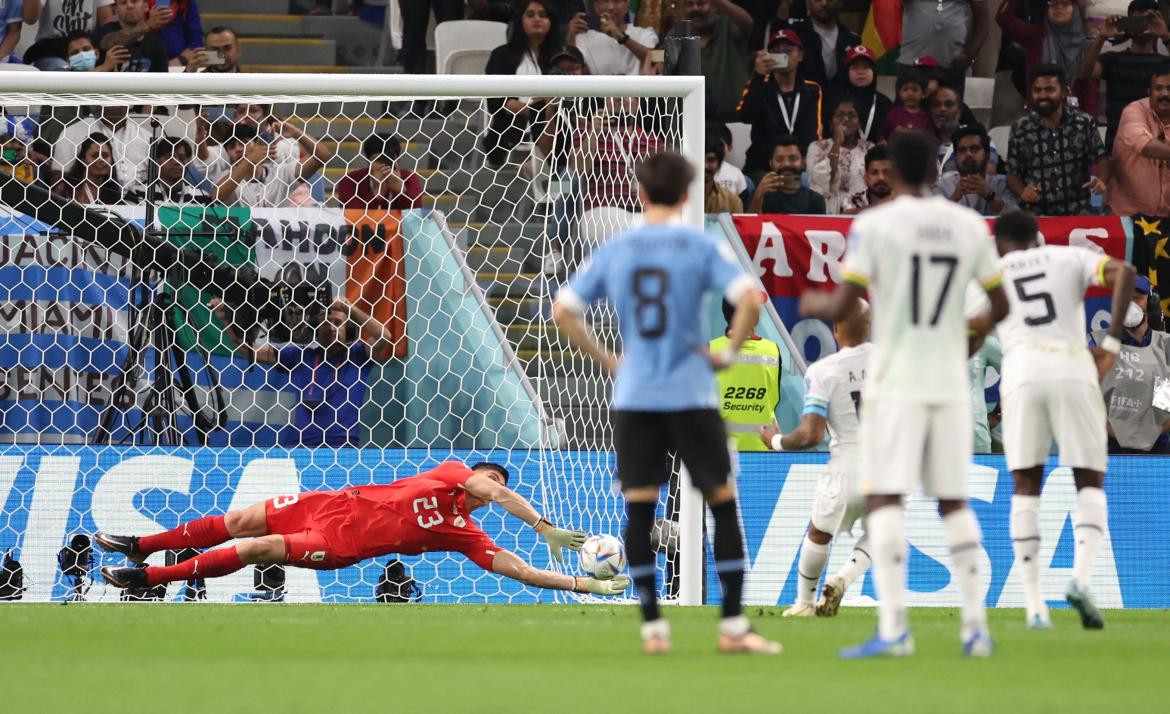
(266, 659)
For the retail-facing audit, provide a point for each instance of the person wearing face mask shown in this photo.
(1057, 38)
(83, 55)
(1139, 420)
(779, 191)
(836, 165)
(1055, 150)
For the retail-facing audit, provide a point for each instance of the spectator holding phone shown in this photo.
(256, 179)
(183, 35)
(970, 185)
(137, 32)
(1126, 74)
(779, 190)
(82, 54)
(609, 43)
(778, 102)
(220, 52)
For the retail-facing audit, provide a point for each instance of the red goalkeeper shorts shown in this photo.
(316, 527)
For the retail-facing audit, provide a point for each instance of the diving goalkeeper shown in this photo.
(323, 530)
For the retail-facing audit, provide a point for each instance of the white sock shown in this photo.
(809, 569)
(1089, 524)
(965, 541)
(859, 562)
(1025, 532)
(887, 532)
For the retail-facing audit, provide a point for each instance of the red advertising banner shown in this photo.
(792, 254)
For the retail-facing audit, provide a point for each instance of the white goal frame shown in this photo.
(49, 88)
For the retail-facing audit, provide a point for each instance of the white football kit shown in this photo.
(832, 389)
(916, 257)
(1049, 385)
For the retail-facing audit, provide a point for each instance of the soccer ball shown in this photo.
(603, 556)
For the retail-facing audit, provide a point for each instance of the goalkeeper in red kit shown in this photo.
(324, 530)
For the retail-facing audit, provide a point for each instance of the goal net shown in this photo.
(224, 289)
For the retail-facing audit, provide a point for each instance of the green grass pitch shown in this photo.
(337, 659)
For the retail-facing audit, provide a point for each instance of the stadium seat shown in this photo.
(741, 138)
(1000, 136)
(463, 46)
(978, 95)
(9, 67)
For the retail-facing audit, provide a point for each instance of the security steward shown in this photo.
(749, 390)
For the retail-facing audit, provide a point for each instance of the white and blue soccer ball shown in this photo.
(603, 556)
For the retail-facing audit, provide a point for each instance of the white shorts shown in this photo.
(904, 444)
(1073, 413)
(837, 505)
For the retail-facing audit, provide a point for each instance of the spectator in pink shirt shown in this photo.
(1140, 181)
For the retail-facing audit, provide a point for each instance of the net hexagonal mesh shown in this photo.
(212, 300)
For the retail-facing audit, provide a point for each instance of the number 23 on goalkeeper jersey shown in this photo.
(656, 277)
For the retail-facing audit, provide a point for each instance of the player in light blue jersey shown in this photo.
(664, 397)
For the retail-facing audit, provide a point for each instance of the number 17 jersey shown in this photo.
(656, 277)
(916, 257)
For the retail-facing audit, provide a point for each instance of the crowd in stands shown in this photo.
(1092, 138)
(791, 70)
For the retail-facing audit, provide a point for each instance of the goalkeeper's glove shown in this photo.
(558, 538)
(616, 586)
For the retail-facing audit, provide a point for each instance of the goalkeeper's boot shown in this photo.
(126, 545)
(737, 637)
(801, 609)
(875, 646)
(1082, 601)
(831, 596)
(123, 578)
(656, 637)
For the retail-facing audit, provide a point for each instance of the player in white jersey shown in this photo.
(832, 397)
(1050, 389)
(915, 256)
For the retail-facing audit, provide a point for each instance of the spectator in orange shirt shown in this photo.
(383, 184)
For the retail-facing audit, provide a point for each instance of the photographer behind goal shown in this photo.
(330, 373)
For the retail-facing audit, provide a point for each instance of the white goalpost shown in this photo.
(132, 204)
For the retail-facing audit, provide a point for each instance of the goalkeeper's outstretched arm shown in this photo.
(511, 566)
(490, 490)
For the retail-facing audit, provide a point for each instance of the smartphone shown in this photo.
(1134, 25)
(781, 60)
(215, 58)
(593, 20)
(657, 56)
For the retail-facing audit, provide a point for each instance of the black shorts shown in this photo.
(644, 441)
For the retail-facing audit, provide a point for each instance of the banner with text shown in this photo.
(47, 494)
(792, 254)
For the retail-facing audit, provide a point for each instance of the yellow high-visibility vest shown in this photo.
(749, 390)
